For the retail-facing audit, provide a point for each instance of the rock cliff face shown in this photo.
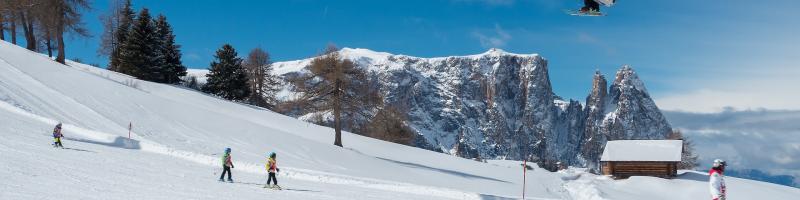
(500, 105)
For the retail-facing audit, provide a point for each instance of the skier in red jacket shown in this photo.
(715, 180)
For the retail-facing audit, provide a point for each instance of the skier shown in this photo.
(272, 168)
(57, 136)
(226, 165)
(590, 6)
(716, 182)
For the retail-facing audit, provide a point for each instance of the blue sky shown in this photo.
(698, 56)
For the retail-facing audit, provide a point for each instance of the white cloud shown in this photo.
(742, 88)
(751, 139)
(497, 38)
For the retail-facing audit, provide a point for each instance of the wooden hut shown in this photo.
(625, 158)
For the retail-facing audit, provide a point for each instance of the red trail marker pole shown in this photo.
(524, 176)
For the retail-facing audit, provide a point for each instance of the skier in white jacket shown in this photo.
(716, 182)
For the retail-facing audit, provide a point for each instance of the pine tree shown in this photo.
(120, 32)
(171, 68)
(139, 55)
(227, 77)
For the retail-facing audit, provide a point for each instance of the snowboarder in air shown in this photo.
(57, 136)
(226, 165)
(272, 168)
(716, 182)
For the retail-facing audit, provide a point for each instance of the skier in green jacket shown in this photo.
(227, 164)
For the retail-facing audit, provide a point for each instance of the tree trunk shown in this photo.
(32, 45)
(2, 28)
(13, 30)
(27, 29)
(337, 115)
(49, 43)
(60, 36)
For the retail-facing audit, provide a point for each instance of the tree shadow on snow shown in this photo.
(119, 142)
(446, 171)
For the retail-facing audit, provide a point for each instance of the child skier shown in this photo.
(57, 136)
(715, 180)
(226, 165)
(272, 168)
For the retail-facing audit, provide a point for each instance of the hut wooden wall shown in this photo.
(625, 169)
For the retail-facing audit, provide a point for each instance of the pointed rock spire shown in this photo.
(596, 98)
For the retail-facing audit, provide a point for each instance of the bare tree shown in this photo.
(263, 84)
(26, 18)
(21, 11)
(389, 124)
(338, 85)
(46, 23)
(117, 25)
(68, 20)
(2, 20)
(111, 22)
(10, 8)
(688, 157)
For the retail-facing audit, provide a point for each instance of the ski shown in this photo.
(584, 14)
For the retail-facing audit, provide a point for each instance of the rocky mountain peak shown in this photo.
(626, 79)
(500, 105)
(599, 91)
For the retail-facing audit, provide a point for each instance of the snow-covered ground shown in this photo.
(178, 133)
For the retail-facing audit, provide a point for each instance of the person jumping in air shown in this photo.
(716, 182)
(272, 168)
(590, 6)
(227, 164)
(57, 136)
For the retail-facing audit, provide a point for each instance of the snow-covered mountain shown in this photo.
(178, 134)
(500, 105)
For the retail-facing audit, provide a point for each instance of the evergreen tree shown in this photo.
(139, 55)
(171, 68)
(118, 26)
(227, 77)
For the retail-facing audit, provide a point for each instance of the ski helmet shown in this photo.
(227, 150)
(272, 155)
(719, 162)
(58, 125)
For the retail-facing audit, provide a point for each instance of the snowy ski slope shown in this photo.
(178, 133)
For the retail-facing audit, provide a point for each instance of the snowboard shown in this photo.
(584, 14)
